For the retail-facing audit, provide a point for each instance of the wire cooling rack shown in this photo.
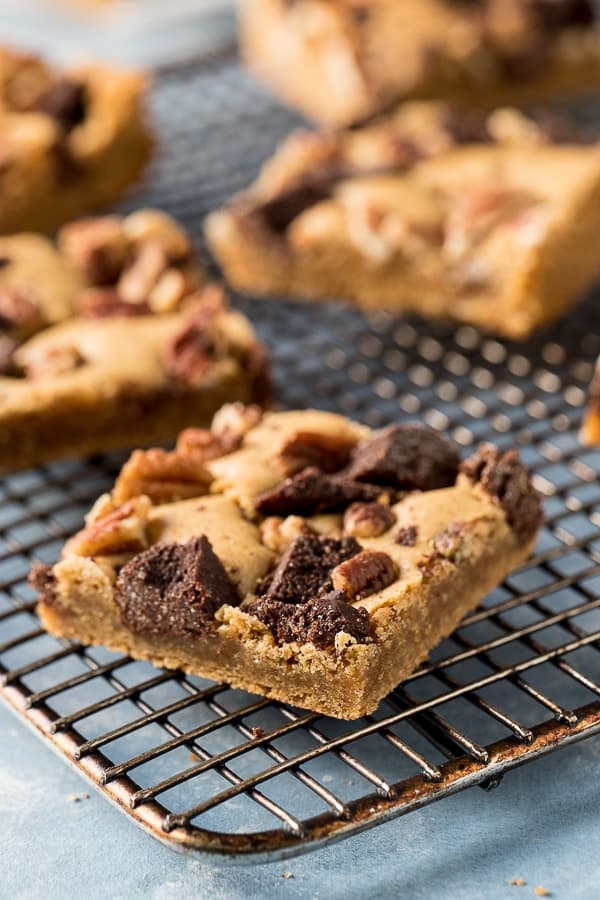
(205, 767)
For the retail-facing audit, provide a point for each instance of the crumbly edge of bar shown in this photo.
(345, 684)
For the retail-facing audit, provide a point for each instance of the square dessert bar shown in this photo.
(72, 140)
(590, 431)
(130, 265)
(297, 555)
(341, 61)
(490, 221)
(87, 385)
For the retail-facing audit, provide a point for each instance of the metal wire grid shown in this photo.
(206, 767)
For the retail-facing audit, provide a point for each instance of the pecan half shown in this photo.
(163, 476)
(234, 420)
(364, 574)
(368, 520)
(121, 531)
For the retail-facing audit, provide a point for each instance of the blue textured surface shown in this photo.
(542, 824)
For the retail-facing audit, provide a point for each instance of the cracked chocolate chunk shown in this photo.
(503, 476)
(312, 491)
(406, 457)
(65, 102)
(304, 572)
(407, 536)
(327, 452)
(174, 589)
(366, 573)
(368, 520)
(317, 621)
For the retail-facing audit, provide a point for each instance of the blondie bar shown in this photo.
(298, 555)
(486, 220)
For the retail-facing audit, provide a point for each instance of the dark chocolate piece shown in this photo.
(502, 475)
(312, 491)
(174, 589)
(304, 571)
(406, 457)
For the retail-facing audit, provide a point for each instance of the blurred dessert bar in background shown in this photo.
(340, 61)
(491, 221)
(72, 140)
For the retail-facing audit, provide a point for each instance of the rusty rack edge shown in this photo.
(365, 813)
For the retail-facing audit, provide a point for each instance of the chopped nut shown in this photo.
(364, 574)
(278, 534)
(169, 290)
(19, 311)
(162, 476)
(142, 275)
(449, 542)
(328, 452)
(475, 212)
(407, 536)
(234, 420)
(368, 519)
(123, 530)
(102, 302)
(97, 247)
(202, 444)
(153, 225)
(54, 361)
(194, 348)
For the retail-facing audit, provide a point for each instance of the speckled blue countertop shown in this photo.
(541, 825)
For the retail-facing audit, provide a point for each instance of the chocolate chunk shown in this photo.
(366, 573)
(43, 580)
(407, 537)
(503, 476)
(554, 15)
(317, 621)
(304, 571)
(312, 491)
(5, 261)
(368, 519)
(406, 457)
(174, 589)
(327, 452)
(65, 102)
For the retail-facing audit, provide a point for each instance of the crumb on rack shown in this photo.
(517, 882)
(541, 891)
(286, 875)
(258, 733)
(77, 798)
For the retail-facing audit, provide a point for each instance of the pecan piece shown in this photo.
(305, 570)
(407, 536)
(278, 534)
(449, 542)
(163, 476)
(155, 226)
(366, 573)
(368, 520)
(328, 452)
(65, 102)
(406, 457)
(503, 476)
(142, 275)
(312, 491)
(19, 311)
(123, 530)
(234, 420)
(54, 361)
(97, 247)
(192, 351)
(174, 589)
(103, 302)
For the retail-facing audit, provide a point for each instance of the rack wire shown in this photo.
(204, 767)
